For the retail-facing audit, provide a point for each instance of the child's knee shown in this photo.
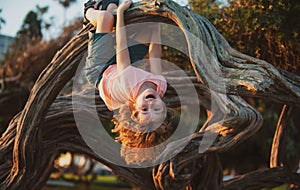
(105, 17)
(111, 7)
(105, 21)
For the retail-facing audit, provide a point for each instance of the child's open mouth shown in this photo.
(150, 96)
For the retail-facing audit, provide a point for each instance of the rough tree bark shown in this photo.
(46, 126)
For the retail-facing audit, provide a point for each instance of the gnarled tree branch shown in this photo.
(37, 135)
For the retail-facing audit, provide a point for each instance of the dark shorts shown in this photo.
(102, 54)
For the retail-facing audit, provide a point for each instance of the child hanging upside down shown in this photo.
(141, 121)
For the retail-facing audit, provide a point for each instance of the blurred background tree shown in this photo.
(268, 30)
(41, 11)
(26, 57)
(265, 29)
(2, 21)
(66, 4)
(210, 9)
(31, 30)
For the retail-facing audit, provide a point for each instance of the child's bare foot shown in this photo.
(124, 6)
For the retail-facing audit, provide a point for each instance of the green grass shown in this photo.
(102, 182)
(282, 187)
(107, 179)
(79, 186)
(109, 182)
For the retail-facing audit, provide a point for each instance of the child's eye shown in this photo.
(145, 109)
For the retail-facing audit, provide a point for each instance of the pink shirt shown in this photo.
(117, 89)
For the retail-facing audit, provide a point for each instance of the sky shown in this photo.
(14, 12)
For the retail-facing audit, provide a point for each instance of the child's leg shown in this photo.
(150, 33)
(102, 20)
(100, 52)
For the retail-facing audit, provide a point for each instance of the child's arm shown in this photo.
(155, 56)
(155, 51)
(123, 58)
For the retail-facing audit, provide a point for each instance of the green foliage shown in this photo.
(207, 8)
(66, 3)
(266, 29)
(31, 30)
(29, 35)
(29, 43)
(41, 11)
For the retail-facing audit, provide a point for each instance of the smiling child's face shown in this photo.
(150, 108)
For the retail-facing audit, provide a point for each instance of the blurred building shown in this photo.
(5, 41)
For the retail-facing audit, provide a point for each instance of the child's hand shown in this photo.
(124, 6)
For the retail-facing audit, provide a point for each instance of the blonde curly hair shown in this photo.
(136, 139)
